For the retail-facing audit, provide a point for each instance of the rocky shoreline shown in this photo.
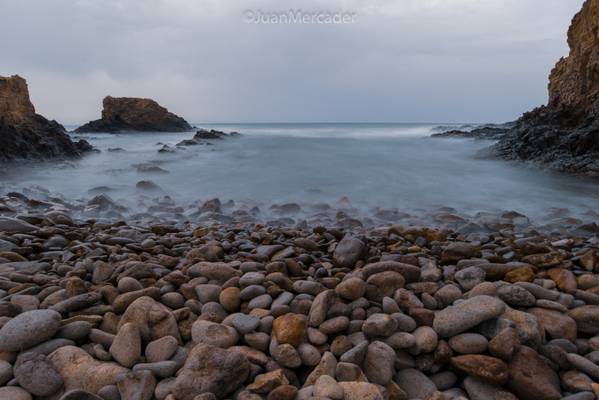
(564, 134)
(178, 311)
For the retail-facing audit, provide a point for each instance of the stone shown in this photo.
(469, 343)
(161, 349)
(326, 366)
(290, 328)
(426, 339)
(14, 393)
(505, 344)
(209, 369)
(415, 383)
(360, 391)
(214, 334)
(286, 355)
(126, 347)
(28, 329)
(269, 381)
(123, 114)
(327, 387)
(283, 392)
(319, 307)
(585, 365)
(586, 317)
(81, 371)
(379, 363)
(488, 369)
(348, 251)
(555, 323)
(379, 325)
(36, 374)
(6, 372)
(229, 298)
(469, 277)
(516, 296)
(244, 323)
(154, 320)
(351, 289)
(467, 314)
(531, 377)
(478, 389)
(136, 385)
(457, 251)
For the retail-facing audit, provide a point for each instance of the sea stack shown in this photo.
(132, 114)
(27, 135)
(564, 134)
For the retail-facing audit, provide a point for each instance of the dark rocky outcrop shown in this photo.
(205, 136)
(27, 135)
(564, 134)
(488, 132)
(123, 114)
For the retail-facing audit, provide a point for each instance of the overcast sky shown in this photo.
(401, 60)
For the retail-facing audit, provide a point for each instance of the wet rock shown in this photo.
(348, 251)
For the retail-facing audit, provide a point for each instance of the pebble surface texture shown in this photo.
(100, 310)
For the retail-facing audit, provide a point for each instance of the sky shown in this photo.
(217, 61)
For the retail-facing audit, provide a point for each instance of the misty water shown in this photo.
(373, 165)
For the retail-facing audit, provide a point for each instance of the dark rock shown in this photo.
(122, 114)
(27, 135)
(564, 134)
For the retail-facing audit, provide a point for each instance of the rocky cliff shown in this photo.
(27, 135)
(121, 114)
(564, 134)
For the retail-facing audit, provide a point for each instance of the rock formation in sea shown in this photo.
(564, 134)
(122, 114)
(27, 135)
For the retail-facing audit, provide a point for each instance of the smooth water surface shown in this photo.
(374, 165)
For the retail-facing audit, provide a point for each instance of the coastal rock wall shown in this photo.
(27, 135)
(564, 134)
(121, 114)
(574, 82)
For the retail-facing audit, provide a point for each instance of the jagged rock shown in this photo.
(121, 114)
(27, 135)
(564, 134)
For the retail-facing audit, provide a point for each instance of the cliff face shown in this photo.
(564, 134)
(574, 82)
(120, 114)
(27, 135)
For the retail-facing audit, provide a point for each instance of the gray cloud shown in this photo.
(407, 60)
